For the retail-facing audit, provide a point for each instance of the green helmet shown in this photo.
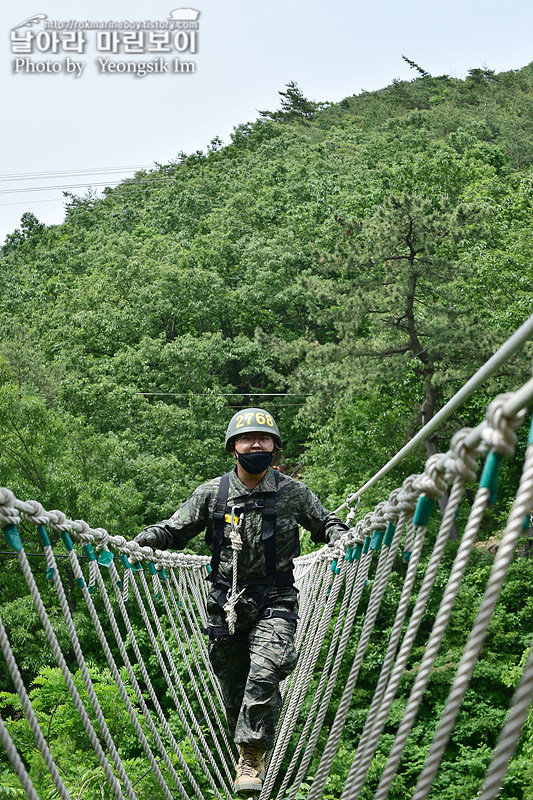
(251, 420)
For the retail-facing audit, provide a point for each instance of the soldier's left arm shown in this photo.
(323, 525)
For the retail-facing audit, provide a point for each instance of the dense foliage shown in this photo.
(348, 266)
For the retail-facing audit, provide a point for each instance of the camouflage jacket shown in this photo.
(295, 505)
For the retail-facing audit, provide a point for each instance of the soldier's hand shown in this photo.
(153, 536)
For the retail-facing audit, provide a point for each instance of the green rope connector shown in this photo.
(137, 567)
(389, 534)
(120, 584)
(358, 549)
(67, 541)
(43, 535)
(525, 523)
(80, 582)
(334, 568)
(125, 561)
(491, 474)
(406, 556)
(208, 567)
(88, 549)
(366, 545)
(530, 437)
(457, 512)
(151, 568)
(50, 574)
(376, 540)
(162, 574)
(424, 507)
(11, 532)
(105, 558)
(348, 556)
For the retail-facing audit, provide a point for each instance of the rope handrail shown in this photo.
(503, 354)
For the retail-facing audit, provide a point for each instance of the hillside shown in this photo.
(348, 265)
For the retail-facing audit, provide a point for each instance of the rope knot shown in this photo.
(390, 507)
(366, 524)
(83, 531)
(377, 518)
(117, 542)
(461, 461)
(58, 521)
(408, 496)
(34, 512)
(431, 483)
(497, 431)
(101, 538)
(354, 536)
(350, 516)
(8, 513)
(235, 539)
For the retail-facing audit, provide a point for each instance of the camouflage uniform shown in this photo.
(251, 663)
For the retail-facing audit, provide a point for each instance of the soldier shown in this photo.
(251, 632)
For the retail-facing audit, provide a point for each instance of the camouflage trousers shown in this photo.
(250, 666)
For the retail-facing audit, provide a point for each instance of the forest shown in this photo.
(347, 266)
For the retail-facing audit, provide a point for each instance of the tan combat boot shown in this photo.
(250, 769)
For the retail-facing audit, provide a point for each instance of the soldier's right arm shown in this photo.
(188, 521)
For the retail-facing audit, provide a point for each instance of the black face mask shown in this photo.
(254, 463)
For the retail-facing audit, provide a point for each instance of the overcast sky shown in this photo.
(86, 126)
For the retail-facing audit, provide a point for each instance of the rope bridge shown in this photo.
(147, 608)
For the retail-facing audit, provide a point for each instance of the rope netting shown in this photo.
(146, 610)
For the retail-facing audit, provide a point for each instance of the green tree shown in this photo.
(294, 105)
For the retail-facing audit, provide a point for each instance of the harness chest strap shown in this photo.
(266, 501)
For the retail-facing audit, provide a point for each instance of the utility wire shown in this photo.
(141, 181)
(26, 176)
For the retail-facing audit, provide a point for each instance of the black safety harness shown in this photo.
(258, 588)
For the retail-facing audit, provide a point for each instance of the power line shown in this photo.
(25, 176)
(32, 202)
(162, 179)
(139, 184)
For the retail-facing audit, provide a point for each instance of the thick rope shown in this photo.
(190, 659)
(149, 685)
(233, 595)
(18, 764)
(500, 435)
(80, 708)
(223, 747)
(181, 702)
(344, 705)
(378, 719)
(462, 467)
(122, 689)
(346, 619)
(510, 734)
(300, 683)
(344, 624)
(33, 722)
